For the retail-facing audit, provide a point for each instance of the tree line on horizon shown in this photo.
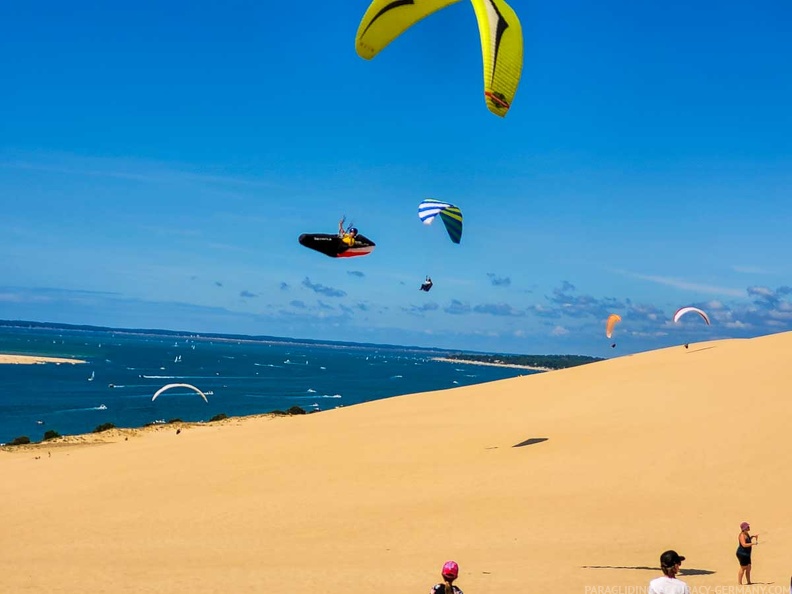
(547, 361)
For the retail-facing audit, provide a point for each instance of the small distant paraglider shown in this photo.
(610, 324)
(451, 215)
(188, 386)
(682, 311)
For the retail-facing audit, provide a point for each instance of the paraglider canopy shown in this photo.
(189, 386)
(686, 310)
(334, 246)
(450, 215)
(499, 30)
(613, 319)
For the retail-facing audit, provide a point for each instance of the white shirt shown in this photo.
(667, 585)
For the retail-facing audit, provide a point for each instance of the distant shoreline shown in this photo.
(8, 359)
(487, 363)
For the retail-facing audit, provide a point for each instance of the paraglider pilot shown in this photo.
(427, 284)
(348, 236)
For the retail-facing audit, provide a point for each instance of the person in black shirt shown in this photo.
(745, 545)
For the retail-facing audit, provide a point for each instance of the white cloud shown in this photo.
(654, 334)
(751, 270)
(761, 291)
(129, 169)
(685, 285)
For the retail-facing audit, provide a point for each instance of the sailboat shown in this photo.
(93, 374)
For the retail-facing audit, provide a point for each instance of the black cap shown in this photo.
(670, 558)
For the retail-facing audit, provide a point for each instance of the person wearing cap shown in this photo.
(348, 236)
(745, 542)
(670, 563)
(449, 572)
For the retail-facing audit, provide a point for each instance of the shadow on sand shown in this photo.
(647, 568)
(531, 441)
(701, 349)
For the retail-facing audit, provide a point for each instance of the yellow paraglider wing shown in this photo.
(385, 20)
(499, 29)
(501, 51)
(613, 319)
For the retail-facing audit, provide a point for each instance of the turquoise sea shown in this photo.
(240, 377)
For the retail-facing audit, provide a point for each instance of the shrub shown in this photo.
(175, 421)
(21, 440)
(218, 417)
(103, 427)
(294, 410)
(50, 434)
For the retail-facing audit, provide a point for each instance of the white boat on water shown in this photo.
(93, 374)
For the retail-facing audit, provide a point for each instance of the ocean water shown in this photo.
(240, 377)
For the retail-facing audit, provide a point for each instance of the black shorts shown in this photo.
(743, 560)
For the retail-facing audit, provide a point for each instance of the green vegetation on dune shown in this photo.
(543, 361)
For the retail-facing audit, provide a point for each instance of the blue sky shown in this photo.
(158, 161)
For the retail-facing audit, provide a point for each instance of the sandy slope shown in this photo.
(30, 360)
(669, 449)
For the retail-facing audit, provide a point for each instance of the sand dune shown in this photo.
(668, 449)
(9, 359)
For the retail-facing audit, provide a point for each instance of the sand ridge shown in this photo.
(12, 359)
(667, 449)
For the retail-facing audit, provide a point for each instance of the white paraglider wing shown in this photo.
(189, 386)
(686, 310)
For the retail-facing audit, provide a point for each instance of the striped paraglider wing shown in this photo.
(450, 215)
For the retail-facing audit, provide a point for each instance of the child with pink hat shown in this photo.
(450, 572)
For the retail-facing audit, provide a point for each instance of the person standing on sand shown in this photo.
(670, 563)
(450, 572)
(745, 544)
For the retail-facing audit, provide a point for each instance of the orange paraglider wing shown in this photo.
(613, 319)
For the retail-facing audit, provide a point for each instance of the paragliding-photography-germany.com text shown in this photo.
(730, 589)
